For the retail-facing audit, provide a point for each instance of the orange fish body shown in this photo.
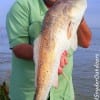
(57, 35)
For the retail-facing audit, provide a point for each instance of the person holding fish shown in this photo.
(24, 23)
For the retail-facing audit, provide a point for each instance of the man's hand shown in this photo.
(84, 34)
(23, 51)
(63, 62)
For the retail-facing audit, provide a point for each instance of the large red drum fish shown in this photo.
(59, 33)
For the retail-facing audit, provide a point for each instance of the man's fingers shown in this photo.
(62, 62)
(65, 60)
(60, 70)
(65, 53)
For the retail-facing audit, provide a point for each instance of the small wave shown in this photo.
(5, 57)
(92, 48)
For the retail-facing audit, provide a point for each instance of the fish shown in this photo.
(58, 33)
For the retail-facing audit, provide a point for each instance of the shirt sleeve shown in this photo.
(17, 23)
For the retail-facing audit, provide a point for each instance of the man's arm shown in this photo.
(17, 24)
(84, 34)
(23, 51)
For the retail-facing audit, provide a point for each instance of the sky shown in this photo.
(92, 14)
(92, 17)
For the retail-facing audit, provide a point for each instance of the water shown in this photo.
(84, 70)
(5, 57)
(83, 73)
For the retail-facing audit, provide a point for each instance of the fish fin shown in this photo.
(36, 56)
(72, 35)
(55, 82)
(69, 34)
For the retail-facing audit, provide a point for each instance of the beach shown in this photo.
(83, 71)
